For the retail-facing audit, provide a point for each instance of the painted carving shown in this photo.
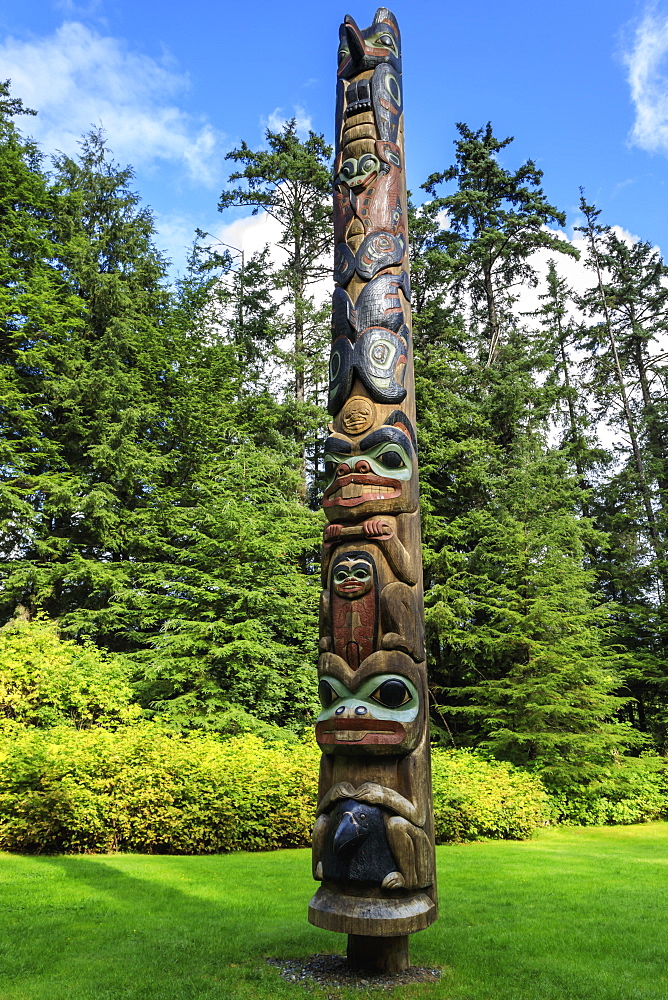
(358, 415)
(372, 474)
(370, 340)
(362, 50)
(374, 826)
(353, 598)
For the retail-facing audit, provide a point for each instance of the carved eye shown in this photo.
(382, 353)
(344, 52)
(392, 460)
(327, 694)
(392, 693)
(330, 469)
(348, 169)
(341, 575)
(385, 40)
(367, 163)
(361, 574)
(393, 158)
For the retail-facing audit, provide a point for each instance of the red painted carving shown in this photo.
(354, 607)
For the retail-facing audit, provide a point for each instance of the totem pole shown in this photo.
(373, 841)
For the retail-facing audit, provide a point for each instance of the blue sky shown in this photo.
(581, 84)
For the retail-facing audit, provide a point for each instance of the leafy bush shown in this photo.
(46, 680)
(475, 797)
(633, 790)
(142, 788)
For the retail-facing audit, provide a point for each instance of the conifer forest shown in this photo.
(161, 467)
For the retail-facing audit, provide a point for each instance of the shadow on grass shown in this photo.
(151, 927)
(572, 915)
(156, 927)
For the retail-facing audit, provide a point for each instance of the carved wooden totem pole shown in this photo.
(373, 842)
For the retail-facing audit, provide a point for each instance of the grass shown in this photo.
(575, 914)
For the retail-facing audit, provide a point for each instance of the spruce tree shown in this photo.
(499, 218)
(291, 182)
(233, 614)
(41, 314)
(519, 662)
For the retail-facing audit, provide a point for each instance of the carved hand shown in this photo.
(376, 527)
(379, 795)
(370, 792)
(342, 790)
(331, 532)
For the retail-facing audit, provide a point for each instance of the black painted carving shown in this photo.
(356, 847)
(358, 97)
(344, 316)
(380, 353)
(367, 48)
(380, 361)
(344, 264)
(379, 302)
(379, 358)
(377, 251)
(387, 101)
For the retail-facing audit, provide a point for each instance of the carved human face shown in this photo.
(375, 475)
(352, 578)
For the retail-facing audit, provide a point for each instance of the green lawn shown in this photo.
(576, 914)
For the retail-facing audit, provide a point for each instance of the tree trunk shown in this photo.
(492, 318)
(299, 291)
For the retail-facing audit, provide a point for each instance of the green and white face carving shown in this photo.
(376, 475)
(357, 174)
(382, 716)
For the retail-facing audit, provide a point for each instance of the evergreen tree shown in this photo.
(40, 315)
(516, 639)
(626, 370)
(499, 218)
(291, 181)
(609, 375)
(107, 403)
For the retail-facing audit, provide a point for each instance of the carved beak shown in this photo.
(355, 40)
(349, 834)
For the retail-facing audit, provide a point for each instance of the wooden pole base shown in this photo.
(378, 954)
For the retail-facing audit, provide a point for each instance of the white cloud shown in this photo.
(573, 270)
(646, 62)
(251, 234)
(277, 119)
(77, 78)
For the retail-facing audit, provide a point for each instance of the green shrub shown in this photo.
(633, 790)
(142, 788)
(475, 797)
(46, 680)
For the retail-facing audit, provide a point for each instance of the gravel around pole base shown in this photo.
(333, 970)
